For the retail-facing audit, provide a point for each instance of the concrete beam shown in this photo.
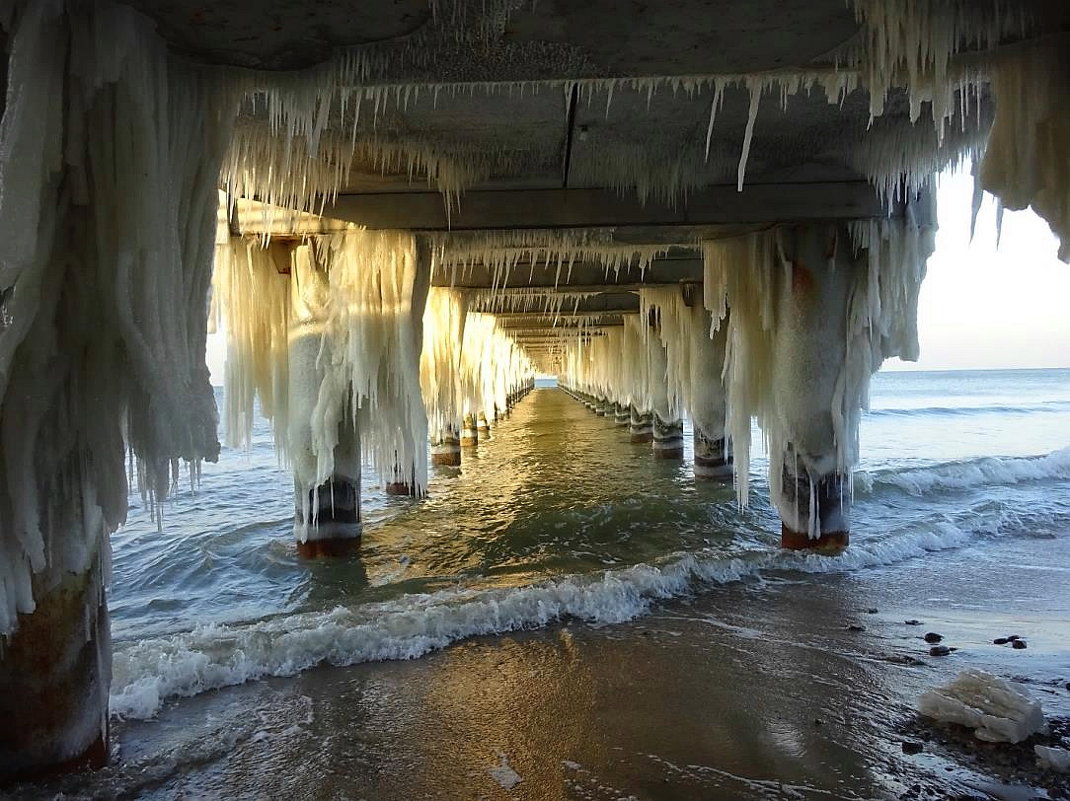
(510, 321)
(570, 307)
(587, 208)
(582, 277)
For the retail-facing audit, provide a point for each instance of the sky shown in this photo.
(981, 306)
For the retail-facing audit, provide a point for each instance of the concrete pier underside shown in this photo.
(519, 93)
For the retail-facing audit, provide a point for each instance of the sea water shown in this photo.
(554, 518)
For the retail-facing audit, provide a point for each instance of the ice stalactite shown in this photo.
(1027, 159)
(440, 362)
(251, 298)
(513, 256)
(358, 297)
(814, 312)
(911, 44)
(109, 155)
(493, 367)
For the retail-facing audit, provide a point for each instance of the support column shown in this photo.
(640, 426)
(815, 441)
(469, 432)
(446, 448)
(713, 452)
(667, 433)
(621, 414)
(668, 438)
(326, 513)
(713, 457)
(482, 426)
(56, 672)
(401, 484)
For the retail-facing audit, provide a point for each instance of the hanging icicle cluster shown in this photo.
(759, 280)
(109, 156)
(359, 295)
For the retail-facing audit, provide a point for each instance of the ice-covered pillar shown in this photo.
(55, 671)
(326, 501)
(109, 165)
(713, 452)
(667, 430)
(640, 426)
(446, 447)
(469, 432)
(482, 426)
(810, 489)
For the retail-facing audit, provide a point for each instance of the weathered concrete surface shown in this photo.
(55, 675)
(586, 208)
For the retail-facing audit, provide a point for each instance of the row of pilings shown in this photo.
(713, 456)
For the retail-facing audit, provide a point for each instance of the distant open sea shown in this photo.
(556, 517)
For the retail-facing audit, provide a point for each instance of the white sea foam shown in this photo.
(148, 672)
(968, 474)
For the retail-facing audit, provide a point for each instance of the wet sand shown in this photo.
(753, 690)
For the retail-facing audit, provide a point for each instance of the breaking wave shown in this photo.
(987, 471)
(968, 411)
(148, 672)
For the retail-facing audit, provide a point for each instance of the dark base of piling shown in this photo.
(829, 542)
(328, 549)
(669, 453)
(644, 438)
(400, 488)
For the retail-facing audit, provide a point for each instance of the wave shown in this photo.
(986, 471)
(966, 411)
(148, 672)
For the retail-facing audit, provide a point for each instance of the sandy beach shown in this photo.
(755, 690)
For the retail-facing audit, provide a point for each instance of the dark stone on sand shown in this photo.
(939, 650)
(903, 659)
(912, 622)
(871, 611)
(1013, 637)
(1018, 644)
(910, 747)
(1000, 641)
(932, 637)
(1068, 686)
(856, 627)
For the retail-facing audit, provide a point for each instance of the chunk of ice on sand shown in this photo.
(1053, 758)
(504, 774)
(995, 709)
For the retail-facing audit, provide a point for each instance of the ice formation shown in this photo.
(997, 711)
(1025, 161)
(359, 297)
(1053, 758)
(759, 278)
(104, 293)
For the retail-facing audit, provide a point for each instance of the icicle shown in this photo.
(752, 115)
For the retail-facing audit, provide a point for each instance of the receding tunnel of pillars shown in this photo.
(379, 362)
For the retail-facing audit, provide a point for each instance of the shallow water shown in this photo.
(558, 527)
(556, 516)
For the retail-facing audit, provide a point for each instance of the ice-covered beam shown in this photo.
(575, 277)
(590, 208)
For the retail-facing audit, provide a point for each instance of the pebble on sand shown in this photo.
(932, 637)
